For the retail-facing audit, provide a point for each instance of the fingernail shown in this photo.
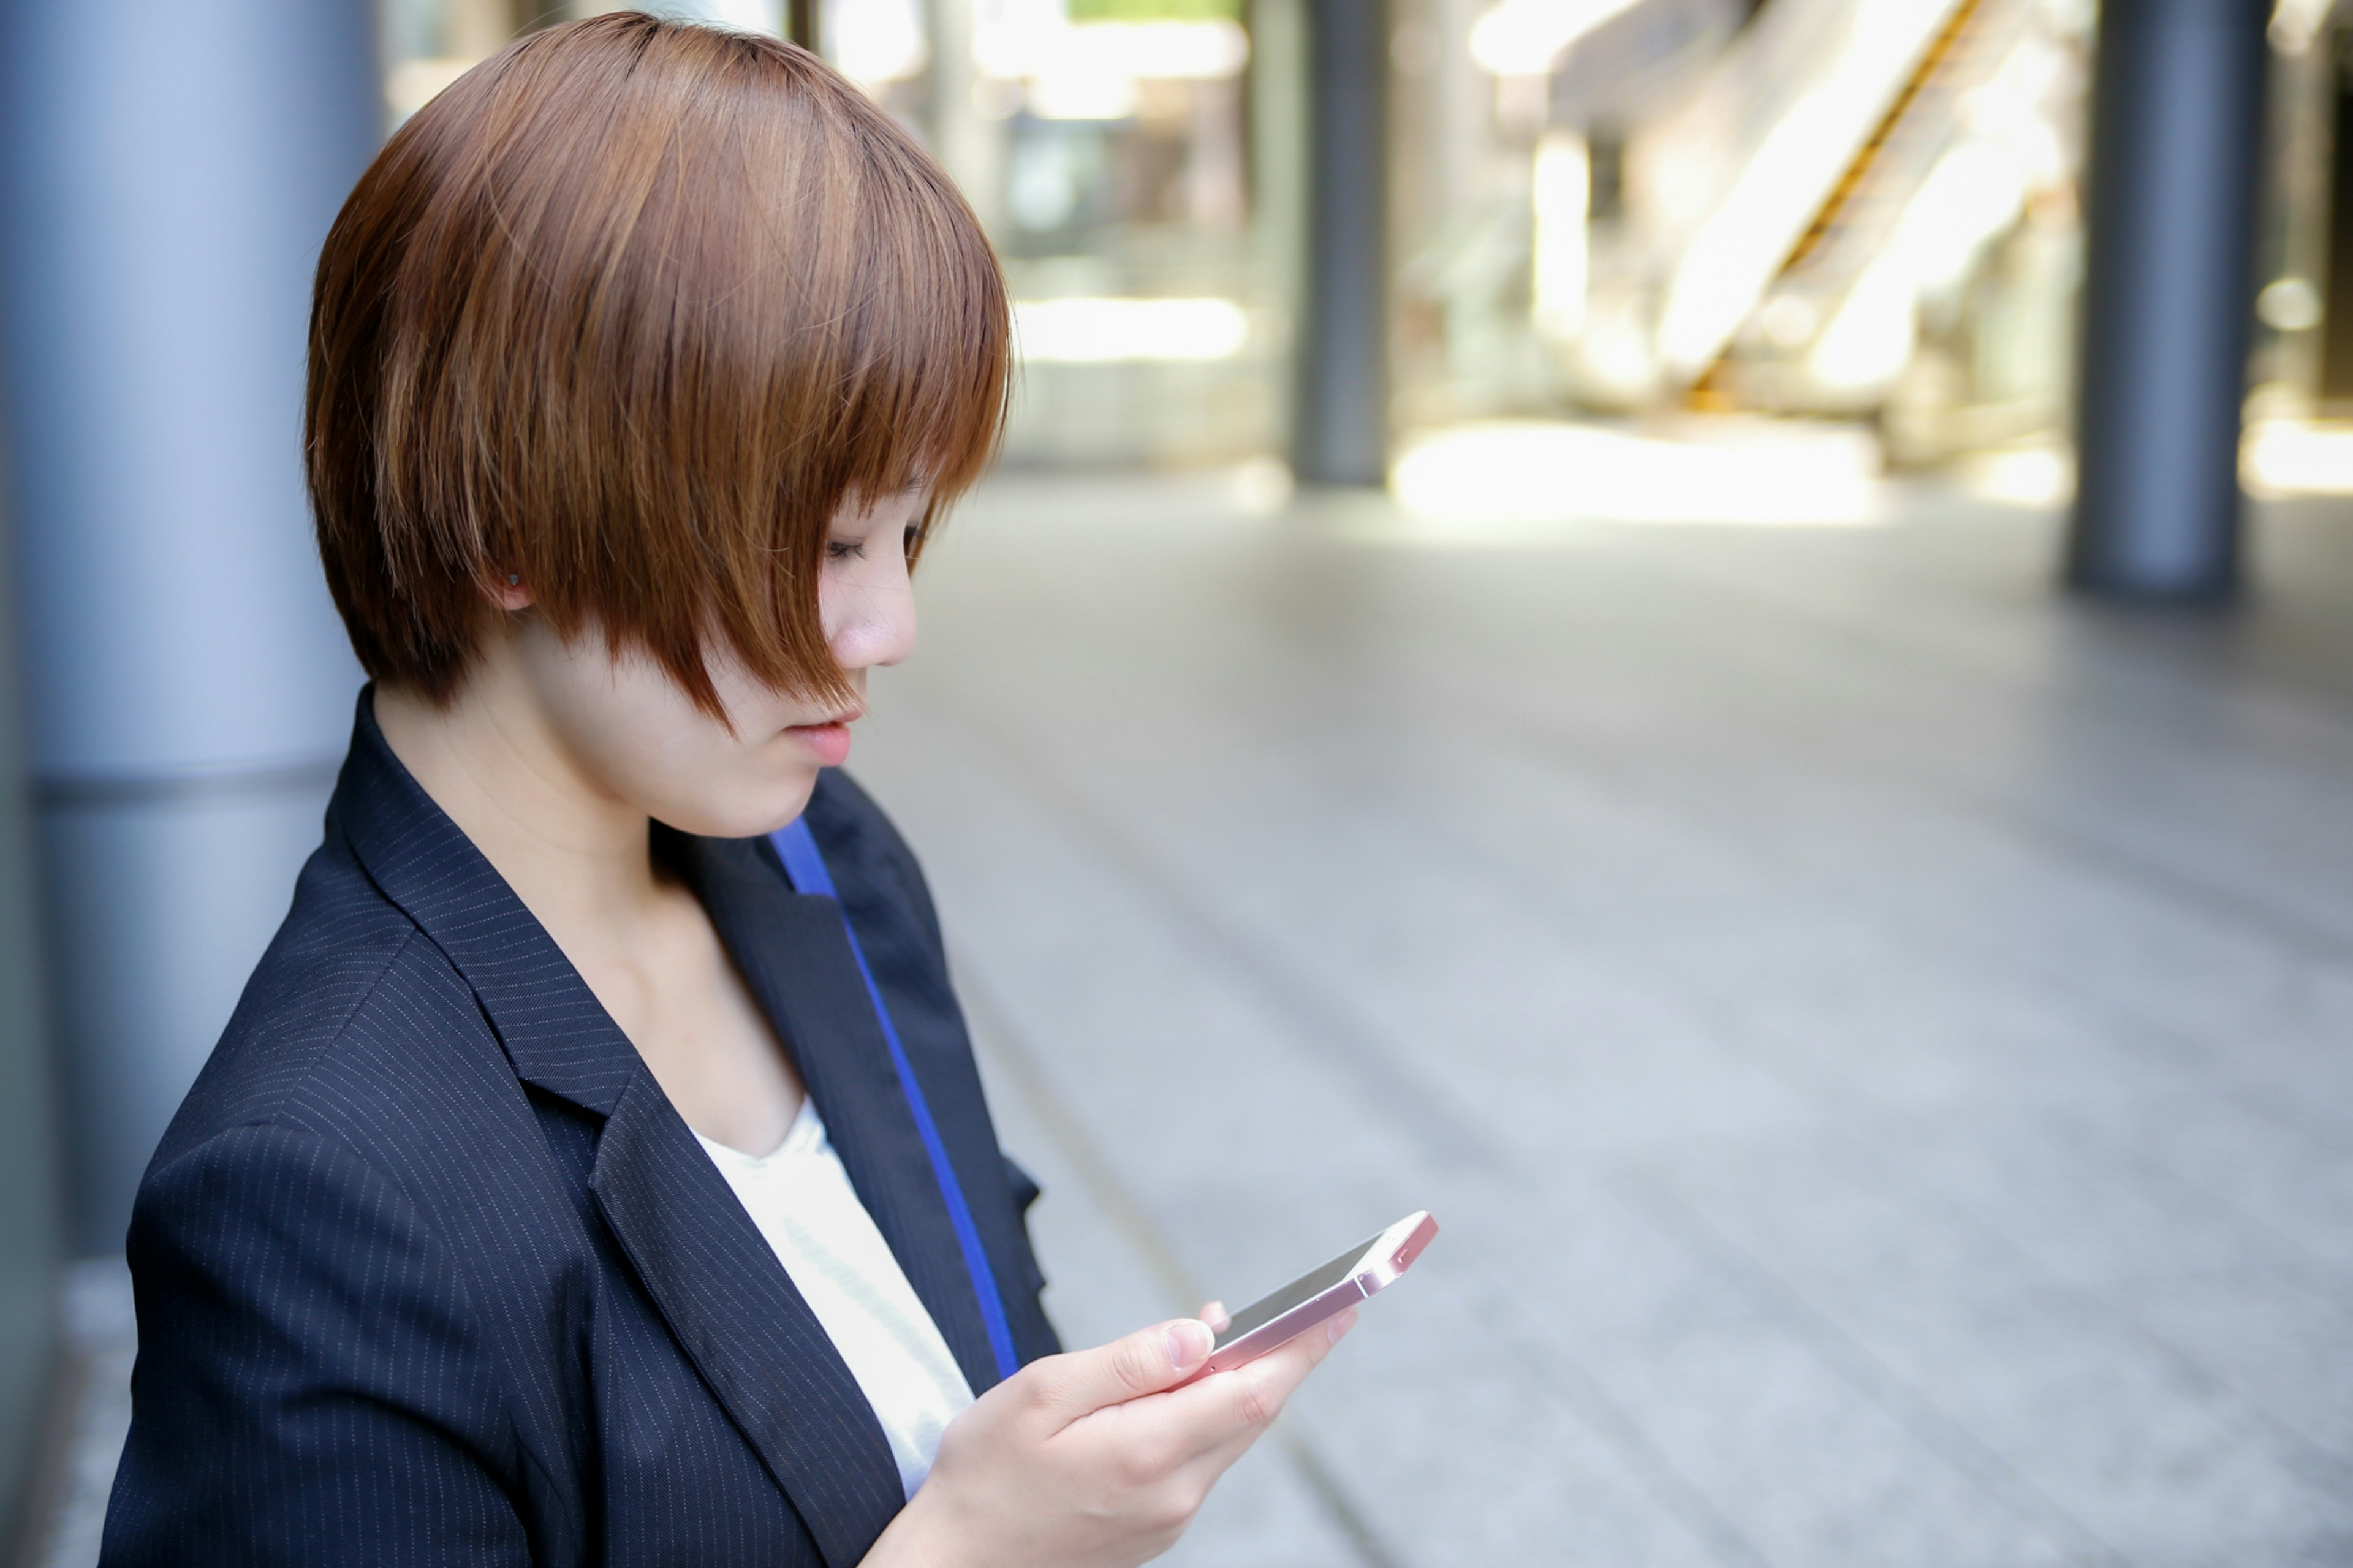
(1337, 1329)
(1189, 1343)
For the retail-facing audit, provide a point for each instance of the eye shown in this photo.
(845, 550)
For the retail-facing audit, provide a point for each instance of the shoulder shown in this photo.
(358, 1115)
(347, 987)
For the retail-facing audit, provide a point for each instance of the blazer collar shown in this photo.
(729, 1303)
(557, 1034)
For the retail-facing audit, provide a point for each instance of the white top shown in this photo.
(801, 1199)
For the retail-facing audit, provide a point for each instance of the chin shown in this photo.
(753, 812)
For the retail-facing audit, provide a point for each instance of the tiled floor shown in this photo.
(1879, 1036)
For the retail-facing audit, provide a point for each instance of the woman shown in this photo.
(586, 1176)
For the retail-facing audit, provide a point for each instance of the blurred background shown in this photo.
(1713, 637)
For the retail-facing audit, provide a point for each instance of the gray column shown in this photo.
(2176, 130)
(28, 1187)
(1341, 424)
(168, 173)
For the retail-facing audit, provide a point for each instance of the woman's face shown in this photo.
(636, 737)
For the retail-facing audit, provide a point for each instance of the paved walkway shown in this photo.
(1879, 1037)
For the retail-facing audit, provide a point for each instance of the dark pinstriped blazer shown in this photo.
(430, 1272)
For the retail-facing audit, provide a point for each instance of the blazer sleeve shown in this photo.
(310, 1388)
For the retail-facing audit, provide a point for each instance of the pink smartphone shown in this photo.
(1371, 1266)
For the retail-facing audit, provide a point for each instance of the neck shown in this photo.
(578, 857)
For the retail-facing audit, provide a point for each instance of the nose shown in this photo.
(870, 611)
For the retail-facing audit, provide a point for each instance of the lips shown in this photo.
(829, 740)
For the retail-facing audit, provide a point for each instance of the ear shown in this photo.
(509, 593)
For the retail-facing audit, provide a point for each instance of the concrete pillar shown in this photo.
(166, 174)
(28, 1185)
(2176, 135)
(1340, 427)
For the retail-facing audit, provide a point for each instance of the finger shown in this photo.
(1214, 1313)
(1208, 1414)
(1256, 1392)
(1144, 1363)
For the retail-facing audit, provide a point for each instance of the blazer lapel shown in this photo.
(747, 1329)
(715, 1278)
(792, 949)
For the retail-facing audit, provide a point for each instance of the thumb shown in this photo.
(1144, 1363)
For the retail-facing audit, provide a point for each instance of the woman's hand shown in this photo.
(1094, 1459)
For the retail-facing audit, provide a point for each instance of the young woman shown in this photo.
(588, 1177)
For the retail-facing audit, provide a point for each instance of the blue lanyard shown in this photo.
(797, 848)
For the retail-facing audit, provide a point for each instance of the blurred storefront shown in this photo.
(1843, 207)
(2302, 369)
(1861, 211)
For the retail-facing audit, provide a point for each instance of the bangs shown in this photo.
(633, 310)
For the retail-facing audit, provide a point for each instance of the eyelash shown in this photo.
(842, 550)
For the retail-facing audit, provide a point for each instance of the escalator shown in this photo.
(1791, 211)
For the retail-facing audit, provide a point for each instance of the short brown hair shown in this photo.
(630, 310)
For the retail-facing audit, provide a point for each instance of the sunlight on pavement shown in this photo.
(1726, 472)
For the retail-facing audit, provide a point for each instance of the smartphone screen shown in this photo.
(1266, 1308)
